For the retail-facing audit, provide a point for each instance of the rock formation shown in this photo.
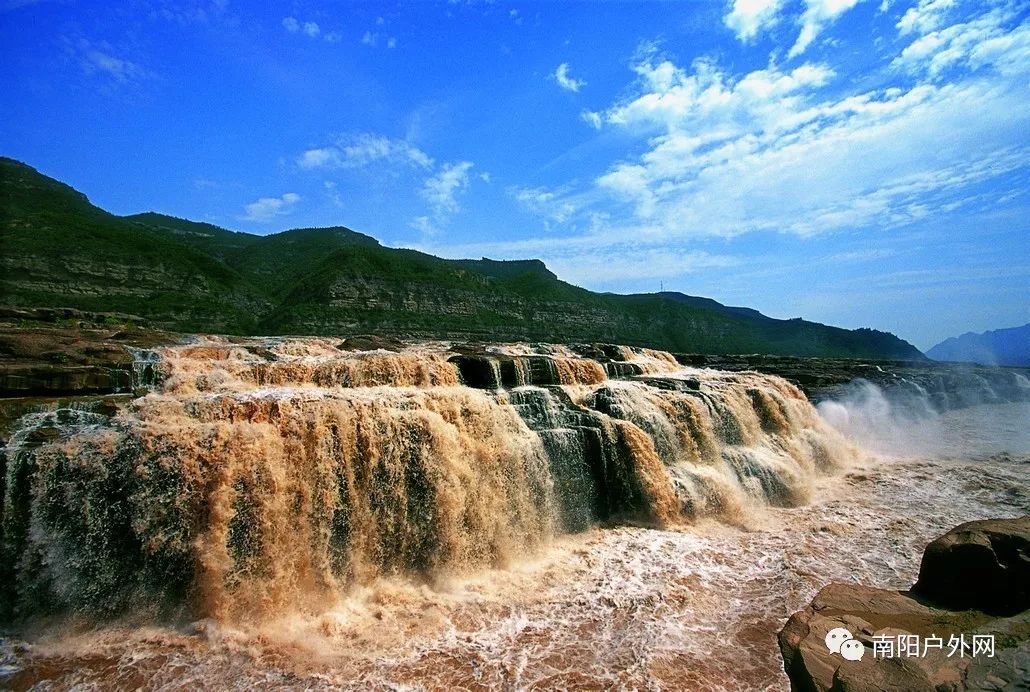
(981, 566)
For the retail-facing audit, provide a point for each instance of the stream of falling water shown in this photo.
(364, 521)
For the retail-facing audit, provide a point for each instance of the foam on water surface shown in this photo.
(447, 563)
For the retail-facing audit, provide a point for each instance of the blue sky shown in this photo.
(856, 162)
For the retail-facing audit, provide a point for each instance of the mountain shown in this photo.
(998, 347)
(58, 250)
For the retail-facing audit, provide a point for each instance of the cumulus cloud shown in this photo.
(765, 152)
(266, 209)
(565, 80)
(441, 190)
(748, 17)
(989, 40)
(794, 150)
(358, 151)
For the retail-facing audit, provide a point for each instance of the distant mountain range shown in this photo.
(58, 250)
(998, 347)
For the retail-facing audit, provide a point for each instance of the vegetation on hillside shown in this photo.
(58, 250)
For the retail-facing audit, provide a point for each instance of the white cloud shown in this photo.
(776, 150)
(817, 16)
(102, 59)
(982, 41)
(423, 225)
(597, 261)
(924, 17)
(310, 29)
(332, 193)
(441, 190)
(676, 99)
(361, 150)
(372, 38)
(553, 206)
(565, 80)
(592, 118)
(748, 17)
(267, 208)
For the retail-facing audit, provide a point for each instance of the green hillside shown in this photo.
(58, 250)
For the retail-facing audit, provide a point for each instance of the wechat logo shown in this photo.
(840, 641)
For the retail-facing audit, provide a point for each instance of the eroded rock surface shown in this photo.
(869, 612)
(979, 564)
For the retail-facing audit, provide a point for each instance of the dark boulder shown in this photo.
(968, 577)
(980, 565)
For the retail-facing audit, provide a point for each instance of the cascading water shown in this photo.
(265, 476)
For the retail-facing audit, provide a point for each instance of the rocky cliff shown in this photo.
(60, 251)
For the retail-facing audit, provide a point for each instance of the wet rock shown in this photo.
(982, 565)
(998, 551)
(864, 612)
(370, 342)
(44, 360)
(479, 371)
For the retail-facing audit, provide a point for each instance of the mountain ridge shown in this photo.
(1008, 346)
(59, 250)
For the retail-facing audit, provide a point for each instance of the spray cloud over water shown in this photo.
(952, 413)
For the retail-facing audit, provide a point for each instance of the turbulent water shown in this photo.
(286, 513)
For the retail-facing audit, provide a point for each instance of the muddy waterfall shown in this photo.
(256, 476)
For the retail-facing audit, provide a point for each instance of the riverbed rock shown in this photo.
(984, 565)
(997, 550)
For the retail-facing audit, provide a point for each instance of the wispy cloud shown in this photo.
(817, 16)
(266, 209)
(792, 149)
(442, 189)
(374, 38)
(102, 60)
(565, 80)
(357, 151)
(424, 226)
(311, 29)
(996, 39)
(552, 206)
(592, 118)
(748, 18)
(195, 12)
(771, 150)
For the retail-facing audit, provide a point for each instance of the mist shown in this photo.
(966, 416)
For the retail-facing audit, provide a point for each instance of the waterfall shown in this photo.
(264, 475)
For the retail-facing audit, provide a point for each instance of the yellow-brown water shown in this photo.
(364, 520)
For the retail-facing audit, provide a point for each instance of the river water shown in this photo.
(694, 605)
